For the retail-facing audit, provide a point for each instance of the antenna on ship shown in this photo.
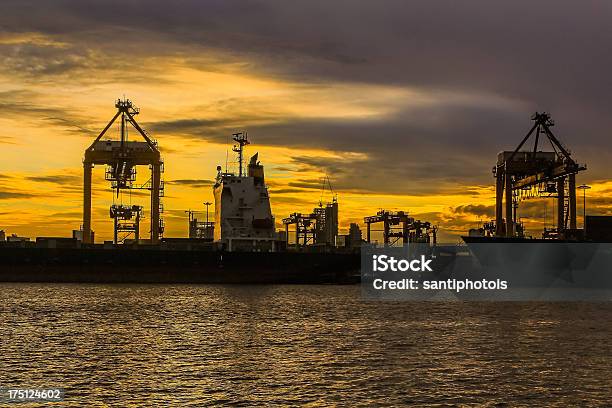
(241, 139)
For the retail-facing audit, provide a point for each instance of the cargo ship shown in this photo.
(244, 248)
(240, 245)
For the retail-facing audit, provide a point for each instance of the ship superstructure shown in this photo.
(243, 216)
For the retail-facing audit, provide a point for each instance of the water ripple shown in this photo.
(184, 345)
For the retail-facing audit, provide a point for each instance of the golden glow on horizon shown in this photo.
(51, 120)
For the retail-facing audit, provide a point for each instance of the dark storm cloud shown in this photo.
(78, 57)
(415, 150)
(7, 195)
(20, 103)
(395, 173)
(599, 205)
(62, 179)
(75, 126)
(546, 55)
(67, 215)
(7, 140)
(441, 43)
(290, 200)
(208, 129)
(478, 210)
(288, 191)
(191, 182)
(534, 210)
(307, 184)
(40, 60)
(405, 151)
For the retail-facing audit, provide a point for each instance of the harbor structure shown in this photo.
(121, 158)
(525, 173)
(399, 226)
(319, 227)
(200, 229)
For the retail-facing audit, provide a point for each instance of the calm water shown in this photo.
(287, 345)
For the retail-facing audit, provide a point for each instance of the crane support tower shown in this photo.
(524, 173)
(121, 157)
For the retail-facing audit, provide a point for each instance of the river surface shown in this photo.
(186, 345)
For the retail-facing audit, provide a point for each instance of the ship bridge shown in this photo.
(243, 216)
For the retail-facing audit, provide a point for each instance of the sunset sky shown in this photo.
(403, 104)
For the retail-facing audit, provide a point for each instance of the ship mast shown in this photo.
(241, 139)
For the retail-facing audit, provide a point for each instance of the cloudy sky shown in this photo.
(404, 104)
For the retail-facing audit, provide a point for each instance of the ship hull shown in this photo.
(543, 262)
(95, 265)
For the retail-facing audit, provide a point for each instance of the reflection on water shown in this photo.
(186, 345)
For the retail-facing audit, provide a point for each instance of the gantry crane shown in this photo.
(551, 173)
(320, 227)
(305, 228)
(121, 157)
(398, 225)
